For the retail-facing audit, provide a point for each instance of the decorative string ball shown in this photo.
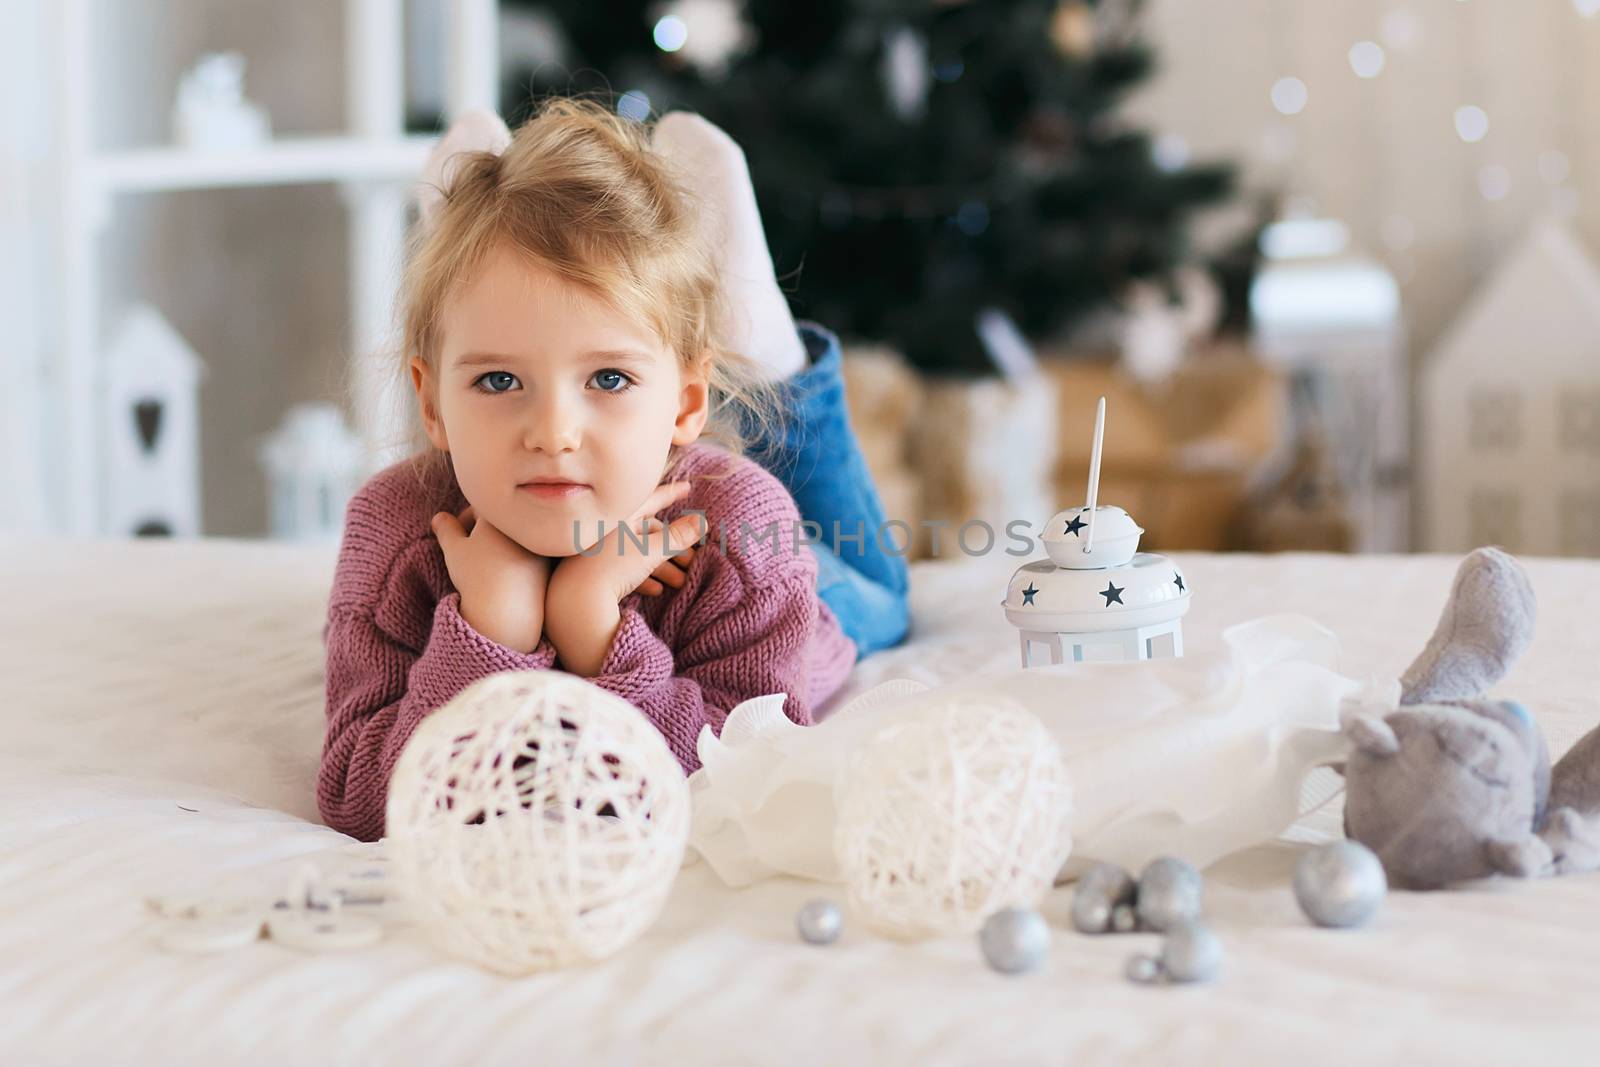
(950, 816)
(536, 821)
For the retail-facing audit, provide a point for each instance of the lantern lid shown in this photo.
(1150, 588)
(1115, 537)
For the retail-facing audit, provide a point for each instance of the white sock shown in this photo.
(757, 322)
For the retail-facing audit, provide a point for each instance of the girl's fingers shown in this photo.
(669, 574)
(446, 527)
(686, 530)
(650, 587)
(660, 497)
(469, 519)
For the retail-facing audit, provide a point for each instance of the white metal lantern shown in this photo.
(1334, 322)
(152, 429)
(314, 463)
(1096, 587)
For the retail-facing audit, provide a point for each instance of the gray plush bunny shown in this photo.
(1452, 785)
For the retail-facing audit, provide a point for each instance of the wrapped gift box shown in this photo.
(950, 450)
(1184, 454)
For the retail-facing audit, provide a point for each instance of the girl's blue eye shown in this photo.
(624, 382)
(495, 375)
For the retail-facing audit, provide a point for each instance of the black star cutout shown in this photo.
(1178, 578)
(1112, 593)
(1075, 525)
(1027, 594)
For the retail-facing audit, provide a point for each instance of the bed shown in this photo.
(163, 716)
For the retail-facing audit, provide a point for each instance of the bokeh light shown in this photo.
(1289, 95)
(1366, 59)
(1472, 123)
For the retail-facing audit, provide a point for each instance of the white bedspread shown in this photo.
(144, 679)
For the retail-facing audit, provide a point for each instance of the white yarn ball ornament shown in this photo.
(947, 817)
(495, 824)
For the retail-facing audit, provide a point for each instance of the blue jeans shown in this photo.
(816, 457)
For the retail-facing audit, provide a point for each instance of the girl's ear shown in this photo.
(427, 395)
(694, 408)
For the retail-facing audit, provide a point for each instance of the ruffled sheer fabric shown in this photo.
(1195, 757)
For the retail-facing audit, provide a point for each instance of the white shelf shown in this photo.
(296, 161)
(374, 160)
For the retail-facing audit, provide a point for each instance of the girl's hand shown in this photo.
(581, 603)
(502, 584)
(671, 574)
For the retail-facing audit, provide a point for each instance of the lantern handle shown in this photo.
(1094, 470)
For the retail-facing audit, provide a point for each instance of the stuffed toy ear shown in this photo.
(1575, 781)
(1486, 624)
(1372, 735)
(475, 130)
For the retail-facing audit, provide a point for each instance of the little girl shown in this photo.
(579, 332)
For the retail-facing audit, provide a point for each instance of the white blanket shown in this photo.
(162, 718)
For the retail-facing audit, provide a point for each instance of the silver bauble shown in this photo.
(1143, 969)
(1191, 952)
(1099, 891)
(819, 922)
(1340, 883)
(1169, 891)
(1014, 940)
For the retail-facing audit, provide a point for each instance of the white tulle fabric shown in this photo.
(945, 818)
(565, 858)
(1194, 757)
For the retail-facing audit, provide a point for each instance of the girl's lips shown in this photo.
(553, 490)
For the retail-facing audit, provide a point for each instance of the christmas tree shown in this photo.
(916, 163)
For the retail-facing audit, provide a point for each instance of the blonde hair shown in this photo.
(580, 191)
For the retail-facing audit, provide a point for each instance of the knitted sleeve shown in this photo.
(379, 690)
(397, 648)
(748, 640)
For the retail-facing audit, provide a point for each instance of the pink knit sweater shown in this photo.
(747, 622)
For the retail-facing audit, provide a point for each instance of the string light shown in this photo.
(1494, 182)
(634, 104)
(1366, 59)
(1398, 29)
(972, 218)
(670, 33)
(1170, 152)
(1278, 142)
(1472, 123)
(1398, 232)
(1289, 95)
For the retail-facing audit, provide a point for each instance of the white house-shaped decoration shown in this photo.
(314, 463)
(152, 432)
(1510, 420)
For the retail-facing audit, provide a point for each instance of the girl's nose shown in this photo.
(554, 426)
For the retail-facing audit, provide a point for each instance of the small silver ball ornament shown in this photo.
(1169, 892)
(819, 922)
(1191, 952)
(1340, 884)
(1143, 969)
(1014, 940)
(1101, 889)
